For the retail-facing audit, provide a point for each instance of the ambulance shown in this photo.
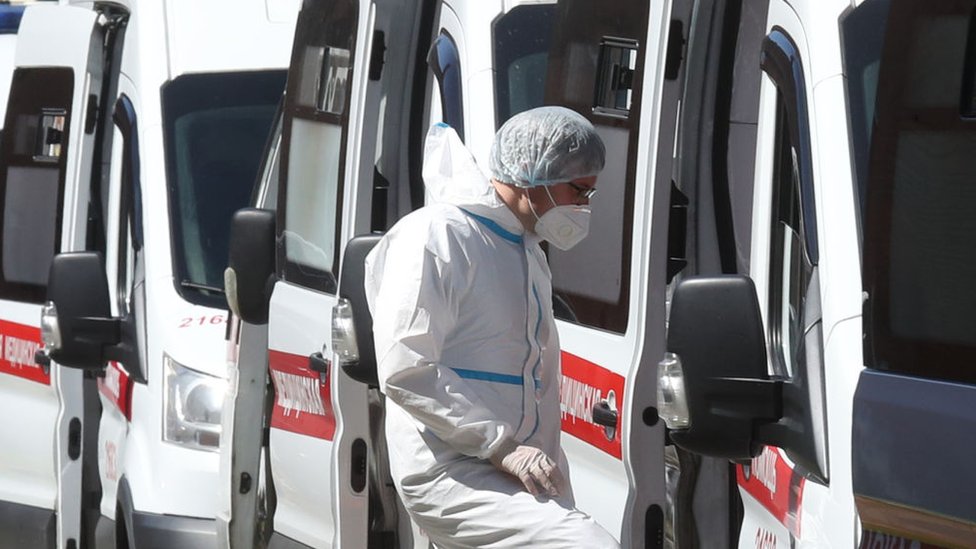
(749, 172)
(836, 370)
(133, 132)
(303, 455)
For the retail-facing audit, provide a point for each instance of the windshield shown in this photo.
(215, 126)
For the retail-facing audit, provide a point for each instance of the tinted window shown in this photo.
(215, 126)
(862, 34)
(126, 138)
(521, 48)
(593, 279)
(446, 64)
(919, 226)
(790, 268)
(32, 185)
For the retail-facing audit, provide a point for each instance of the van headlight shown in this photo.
(193, 401)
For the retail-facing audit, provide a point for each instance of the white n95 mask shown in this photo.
(562, 226)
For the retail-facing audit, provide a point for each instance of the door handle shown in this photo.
(320, 364)
(604, 415)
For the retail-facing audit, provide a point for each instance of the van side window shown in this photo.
(313, 149)
(130, 210)
(919, 224)
(794, 251)
(521, 40)
(32, 176)
(591, 282)
(445, 62)
(790, 267)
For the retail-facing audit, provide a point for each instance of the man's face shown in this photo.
(572, 193)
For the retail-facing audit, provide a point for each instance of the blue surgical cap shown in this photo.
(545, 146)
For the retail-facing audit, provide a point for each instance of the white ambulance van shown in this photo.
(305, 466)
(133, 133)
(839, 372)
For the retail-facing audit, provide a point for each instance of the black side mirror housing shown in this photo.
(716, 330)
(251, 265)
(78, 287)
(351, 278)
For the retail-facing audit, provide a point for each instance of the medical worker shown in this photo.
(466, 345)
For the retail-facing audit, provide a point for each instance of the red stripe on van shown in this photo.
(583, 385)
(303, 402)
(18, 342)
(116, 385)
(775, 485)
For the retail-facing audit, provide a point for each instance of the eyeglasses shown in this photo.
(584, 193)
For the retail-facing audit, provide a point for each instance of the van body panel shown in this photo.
(248, 41)
(783, 506)
(52, 404)
(163, 478)
(303, 429)
(27, 478)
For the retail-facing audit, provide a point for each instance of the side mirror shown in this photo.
(77, 323)
(352, 324)
(717, 369)
(251, 264)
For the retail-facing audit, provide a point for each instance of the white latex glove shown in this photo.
(532, 466)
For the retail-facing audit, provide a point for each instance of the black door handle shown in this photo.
(604, 415)
(318, 363)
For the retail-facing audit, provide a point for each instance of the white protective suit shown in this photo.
(468, 357)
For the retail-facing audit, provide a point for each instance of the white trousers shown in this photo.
(472, 504)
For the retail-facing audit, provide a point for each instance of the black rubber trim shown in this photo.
(27, 527)
(152, 531)
(781, 61)
(279, 541)
(721, 194)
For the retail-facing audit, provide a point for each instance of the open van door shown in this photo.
(319, 419)
(46, 411)
(915, 405)
(606, 62)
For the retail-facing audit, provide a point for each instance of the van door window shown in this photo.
(591, 282)
(126, 143)
(35, 150)
(445, 62)
(521, 41)
(790, 267)
(794, 251)
(919, 265)
(215, 127)
(313, 148)
(794, 314)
